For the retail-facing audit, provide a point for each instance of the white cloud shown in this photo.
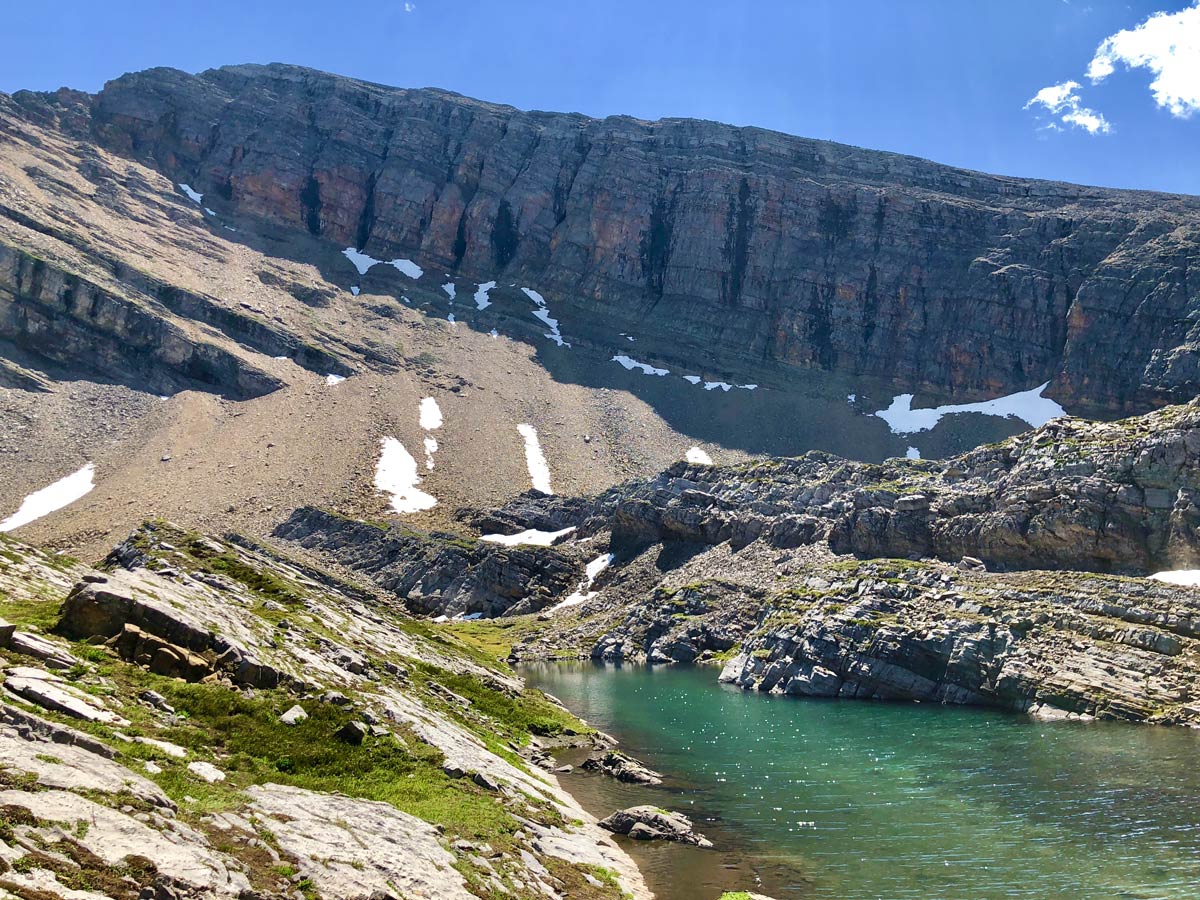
(1063, 102)
(409, 7)
(1168, 44)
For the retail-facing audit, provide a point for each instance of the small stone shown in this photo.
(206, 771)
(352, 733)
(294, 716)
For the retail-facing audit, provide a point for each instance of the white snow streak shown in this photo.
(396, 474)
(698, 456)
(481, 295)
(584, 592)
(630, 363)
(1028, 406)
(195, 196)
(713, 385)
(531, 536)
(544, 314)
(431, 448)
(535, 460)
(694, 379)
(62, 493)
(354, 290)
(450, 290)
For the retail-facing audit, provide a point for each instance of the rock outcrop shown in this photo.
(418, 804)
(437, 573)
(649, 823)
(741, 242)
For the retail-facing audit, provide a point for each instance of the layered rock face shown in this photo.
(439, 574)
(749, 244)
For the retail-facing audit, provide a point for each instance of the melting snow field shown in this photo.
(195, 196)
(363, 263)
(630, 363)
(396, 474)
(481, 295)
(584, 592)
(531, 536)
(698, 456)
(334, 379)
(1028, 406)
(1185, 577)
(62, 493)
(539, 471)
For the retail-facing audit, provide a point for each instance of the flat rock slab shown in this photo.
(357, 849)
(52, 653)
(51, 692)
(70, 767)
(177, 851)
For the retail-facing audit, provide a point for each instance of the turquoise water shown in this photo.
(854, 800)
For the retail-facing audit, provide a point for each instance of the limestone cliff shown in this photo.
(738, 243)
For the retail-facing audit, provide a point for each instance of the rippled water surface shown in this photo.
(853, 800)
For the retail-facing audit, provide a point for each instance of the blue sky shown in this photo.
(950, 80)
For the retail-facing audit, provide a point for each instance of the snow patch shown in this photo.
(1028, 406)
(195, 196)
(694, 379)
(354, 290)
(698, 456)
(208, 212)
(530, 536)
(747, 387)
(430, 414)
(363, 263)
(1184, 577)
(535, 460)
(431, 447)
(481, 294)
(450, 318)
(630, 363)
(450, 290)
(494, 333)
(396, 474)
(62, 493)
(713, 385)
(334, 379)
(584, 592)
(850, 398)
(407, 267)
(360, 260)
